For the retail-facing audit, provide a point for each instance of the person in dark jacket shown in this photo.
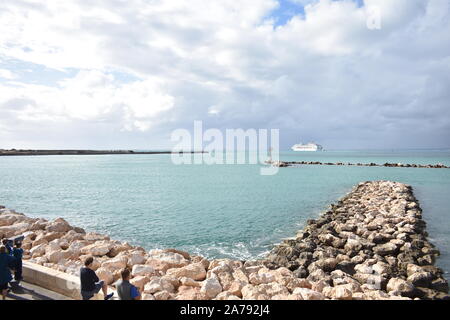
(6, 263)
(90, 283)
(125, 289)
(7, 246)
(17, 252)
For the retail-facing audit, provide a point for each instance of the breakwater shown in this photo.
(284, 164)
(374, 238)
(21, 152)
(318, 264)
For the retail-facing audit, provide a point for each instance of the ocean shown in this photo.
(213, 210)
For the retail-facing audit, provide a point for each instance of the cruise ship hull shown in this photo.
(310, 147)
(305, 150)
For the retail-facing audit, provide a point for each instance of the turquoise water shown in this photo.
(217, 210)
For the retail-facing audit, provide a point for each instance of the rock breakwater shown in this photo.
(284, 164)
(371, 245)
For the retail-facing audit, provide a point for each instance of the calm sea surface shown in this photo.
(213, 210)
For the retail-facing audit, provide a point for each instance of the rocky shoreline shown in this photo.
(371, 245)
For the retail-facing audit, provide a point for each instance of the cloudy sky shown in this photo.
(125, 74)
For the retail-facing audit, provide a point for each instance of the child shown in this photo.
(18, 253)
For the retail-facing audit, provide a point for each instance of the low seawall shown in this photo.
(371, 245)
(54, 280)
(51, 279)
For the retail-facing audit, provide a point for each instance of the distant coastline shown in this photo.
(22, 152)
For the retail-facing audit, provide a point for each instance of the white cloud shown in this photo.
(7, 74)
(324, 75)
(89, 96)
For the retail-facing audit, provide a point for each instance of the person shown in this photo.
(18, 254)
(6, 262)
(7, 246)
(125, 289)
(90, 283)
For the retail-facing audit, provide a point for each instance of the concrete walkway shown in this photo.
(27, 291)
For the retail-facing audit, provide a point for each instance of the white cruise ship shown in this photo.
(307, 147)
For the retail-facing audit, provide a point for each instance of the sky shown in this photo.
(127, 73)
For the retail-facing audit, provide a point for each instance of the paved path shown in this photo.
(27, 291)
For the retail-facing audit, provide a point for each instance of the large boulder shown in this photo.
(58, 255)
(118, 247)
(52, 246)
(174, 281)
(190, 282)
(40, 224)
(225, 295)
(59, 243)
(115, 263)
(14, 230)
(236, 288)
(135, 258)
(251, 292)
(72, 235)
(189, 293)
(92, 236)
(142, 270)
(440, 285)
(211, 288)
(139, 282)
(194, 271)
(274, 289)
(162, 295)
(341, 292)
(400, 286)
(47, 237)
(205, 262)
(352, 245)
(77, 245)
(59, 225)
(148, 296)
(99, 248)
(386, 249)
(263, 291)
(421, 279)
(10, 219)
(308, 294)
(412, 268)
(166, 260)
(327, 264)
(159, 284)
(38, 251)
(261, 278)
(240, 275)
(227, 263)
(105, 275)
(185, 254)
